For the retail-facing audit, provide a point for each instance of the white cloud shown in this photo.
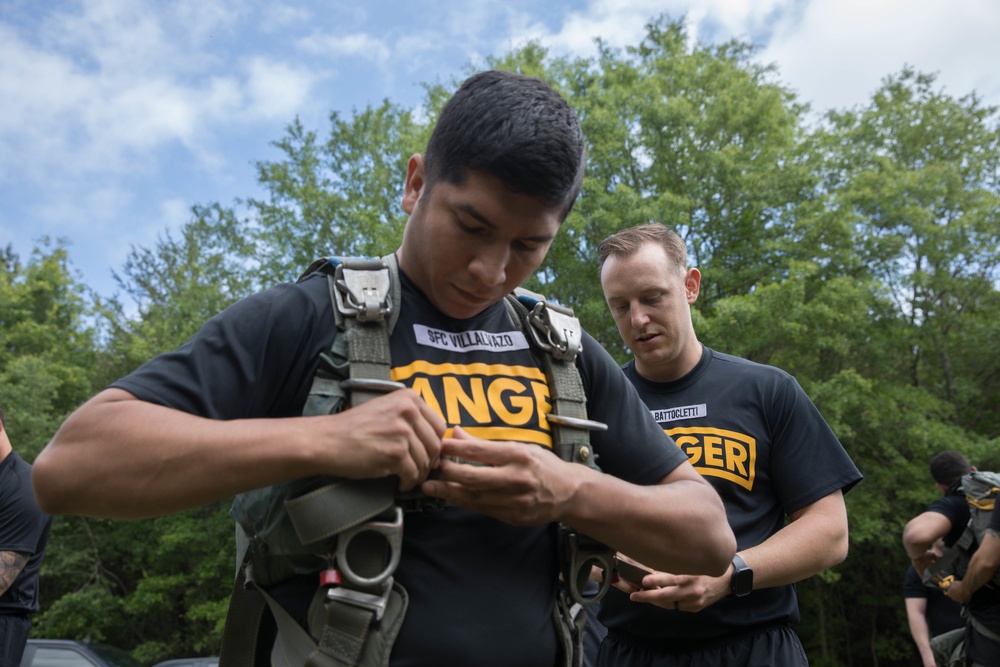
(360, 44)
(104, 86)
(275, 90)
(838, 51)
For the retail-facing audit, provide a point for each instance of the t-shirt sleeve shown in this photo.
(808, 462)
(912, 586)
(634, 447)
(254, 359)
(956, 510)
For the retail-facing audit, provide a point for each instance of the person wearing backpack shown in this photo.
(948, 518)
(222, 415)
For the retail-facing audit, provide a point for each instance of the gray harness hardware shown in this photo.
(350, 531)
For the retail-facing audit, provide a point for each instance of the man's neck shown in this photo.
(675, 369)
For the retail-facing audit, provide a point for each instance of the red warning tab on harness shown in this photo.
(329, 578)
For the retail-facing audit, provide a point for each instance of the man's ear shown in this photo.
(692, 285)
(414, 183)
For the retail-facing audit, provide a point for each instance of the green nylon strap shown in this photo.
(568, 400)
(336, 507)
(244, 616)
(347, 503)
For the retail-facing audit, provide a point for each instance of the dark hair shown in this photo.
(628, 241)
(948, 467)
(512, 127)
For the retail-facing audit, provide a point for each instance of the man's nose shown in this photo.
(639, 316)
(489, 267)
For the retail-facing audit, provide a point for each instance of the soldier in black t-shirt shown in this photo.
(935, 620)
(947, 518)
(753, 433)
(24, 532)
(221, 415)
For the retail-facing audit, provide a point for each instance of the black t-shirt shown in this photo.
(943, 613)
(23, 528)
(752, 432)
(481, 592)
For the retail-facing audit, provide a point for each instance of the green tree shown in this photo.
(340, 197)
(175, 287)
(47, 343)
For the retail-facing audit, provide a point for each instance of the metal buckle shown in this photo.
(555, 330)
(363, 293)
(370, 601)
(391, 531)
(372, 384)
(579, 559)
(576, 422)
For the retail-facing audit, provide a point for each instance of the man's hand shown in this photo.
(959, 593)
(395, 434)
(924, 561)
(680, 592)
(517, 483)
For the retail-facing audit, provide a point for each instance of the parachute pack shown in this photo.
(348, 533)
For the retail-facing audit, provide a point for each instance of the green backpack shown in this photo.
(349, 532)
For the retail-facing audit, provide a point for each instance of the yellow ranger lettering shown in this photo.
(719, 453)
(513, 391)
(475, 405)
(489, 401)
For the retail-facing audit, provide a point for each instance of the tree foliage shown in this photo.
(860, 254)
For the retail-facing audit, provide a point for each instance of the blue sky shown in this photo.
(116, 116)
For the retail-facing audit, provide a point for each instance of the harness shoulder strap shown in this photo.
(358, 595)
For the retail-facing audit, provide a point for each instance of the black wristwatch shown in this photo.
(741, 582)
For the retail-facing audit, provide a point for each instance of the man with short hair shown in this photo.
(947, 518)
(24, 533)
(220, 415)
(754, 434)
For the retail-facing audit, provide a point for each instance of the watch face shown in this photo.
(742, 582)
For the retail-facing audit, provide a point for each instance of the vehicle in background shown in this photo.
(189, 662)
(73, 653)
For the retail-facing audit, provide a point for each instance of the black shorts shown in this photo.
(772, 646)
(14, 629)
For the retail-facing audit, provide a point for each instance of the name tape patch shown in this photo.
(470, 341)
(683, 412)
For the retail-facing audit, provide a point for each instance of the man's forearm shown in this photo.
(917, 620)
(678, 526)
(983, 565)
(815, 539)
(11, 564)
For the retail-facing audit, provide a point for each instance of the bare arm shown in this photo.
(919, 536)
(679, 524)
(11, 564)
(815, 539)
(916, 616)
(982, 567)
(120, 457)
